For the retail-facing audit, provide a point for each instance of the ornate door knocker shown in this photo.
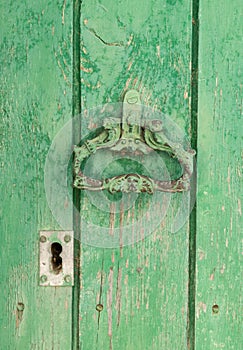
(132, 134)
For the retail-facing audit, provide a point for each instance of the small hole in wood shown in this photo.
(215, 309)
(20, 307)
(56, 260)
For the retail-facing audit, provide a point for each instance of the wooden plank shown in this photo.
(219, 201)
(142, 287)
(36, 100)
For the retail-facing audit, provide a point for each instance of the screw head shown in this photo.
(67, 278)
(132, 96)
(43, 278)
(67, 238)
(99, 307)
(43, 239)
(132, 99)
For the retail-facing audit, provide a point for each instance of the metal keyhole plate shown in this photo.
(56, 258)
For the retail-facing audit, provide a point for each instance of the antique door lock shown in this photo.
(137, 135)
(56, 258)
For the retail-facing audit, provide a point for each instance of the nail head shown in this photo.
(215, 309)
(67, 238)
(67, 278)
(43, 278)
(43, 239)
(99, 307)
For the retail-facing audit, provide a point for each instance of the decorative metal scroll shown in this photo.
(132, 135)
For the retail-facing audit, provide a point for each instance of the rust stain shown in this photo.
(129, 66)
(86, 70)
(109, 301)
(92, 125)
(127, 84)
(98, 276)
(211, 277)
(118, 295)
(133, 224)
(121, 227)
(127, 299)
(97, 86)
(61, 69)
(84, 51)
(112, 218)
(141, 231)
(134, 82)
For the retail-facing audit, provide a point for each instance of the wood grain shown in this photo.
(219, 200)
(143, 287)
(36, 100)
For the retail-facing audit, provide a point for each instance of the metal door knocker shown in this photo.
(131, 134)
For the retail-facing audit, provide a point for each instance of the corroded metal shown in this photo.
(132, 135)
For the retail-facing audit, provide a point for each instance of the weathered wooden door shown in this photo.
(171, 279)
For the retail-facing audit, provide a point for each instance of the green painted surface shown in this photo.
(132, 297)
(36, 95)
(142, 287)
(219, 201)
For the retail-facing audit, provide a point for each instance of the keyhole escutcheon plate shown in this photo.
(56, 258)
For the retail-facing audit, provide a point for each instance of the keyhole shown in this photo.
(56, 259)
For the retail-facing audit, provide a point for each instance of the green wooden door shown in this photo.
(170, 281)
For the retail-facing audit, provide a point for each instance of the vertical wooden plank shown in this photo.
(76, 131)
(219, 201)
(135, 297)
(36, 101)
